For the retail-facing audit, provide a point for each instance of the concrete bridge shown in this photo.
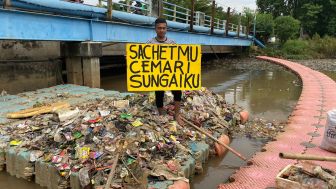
(85, 33)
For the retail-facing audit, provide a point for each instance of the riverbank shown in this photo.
(319, 64)
(246, 63)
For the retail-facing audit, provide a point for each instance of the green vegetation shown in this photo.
(317, 16)
(298, 27)
(264, 26)
(314, 48)
(286, 27)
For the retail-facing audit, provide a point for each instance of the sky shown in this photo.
(236, 4)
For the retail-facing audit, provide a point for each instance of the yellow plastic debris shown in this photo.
(84, 153)
(15, 142)
(137, 123)
(173, 138)
(34, 128)
(172, 127)
(37, 111)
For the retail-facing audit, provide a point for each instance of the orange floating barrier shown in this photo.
(244, 116)
(220, 149)
(180, 184)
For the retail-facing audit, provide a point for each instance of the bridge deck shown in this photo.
(22, 25)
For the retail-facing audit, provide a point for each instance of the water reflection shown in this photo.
(270, 94)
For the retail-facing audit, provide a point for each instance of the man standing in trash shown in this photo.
(161, 38)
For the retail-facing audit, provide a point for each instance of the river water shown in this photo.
(267, 92)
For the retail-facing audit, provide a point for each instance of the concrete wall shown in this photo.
(29, 50)
(21, 76)
(29, 65)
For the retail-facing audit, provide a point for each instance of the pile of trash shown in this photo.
(307, 175)
(259, 128)
(147, 147)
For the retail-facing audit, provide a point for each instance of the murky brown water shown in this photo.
(269, 94)
(11, 182)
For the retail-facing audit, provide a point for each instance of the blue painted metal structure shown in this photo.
(22, 25)
(86, 23)
(86, 11)
(60, 7)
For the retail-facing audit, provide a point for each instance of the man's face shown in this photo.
(161, 30)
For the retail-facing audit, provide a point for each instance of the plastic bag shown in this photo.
(329, 138)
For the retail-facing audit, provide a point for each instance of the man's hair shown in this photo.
(160, 20)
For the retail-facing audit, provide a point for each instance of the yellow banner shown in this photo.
(153, 67)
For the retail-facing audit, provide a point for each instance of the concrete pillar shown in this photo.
(91, 72)
(82, 63)
(74, 70)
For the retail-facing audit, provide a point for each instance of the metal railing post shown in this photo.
(174, 18)
(192, 16)
(227, 21)
(197, 18)
(7, 4)
(248, 27)
(238, 29)
(109, 9)
(149, 8)
(128, 9)
(200, 18)
(254, 25)
(161, 8)
(155, 8)
(187, 16)
(213, 16)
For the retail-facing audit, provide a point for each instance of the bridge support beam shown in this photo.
(82, 63)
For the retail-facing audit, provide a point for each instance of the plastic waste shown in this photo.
(65, 114)
(329, 137)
